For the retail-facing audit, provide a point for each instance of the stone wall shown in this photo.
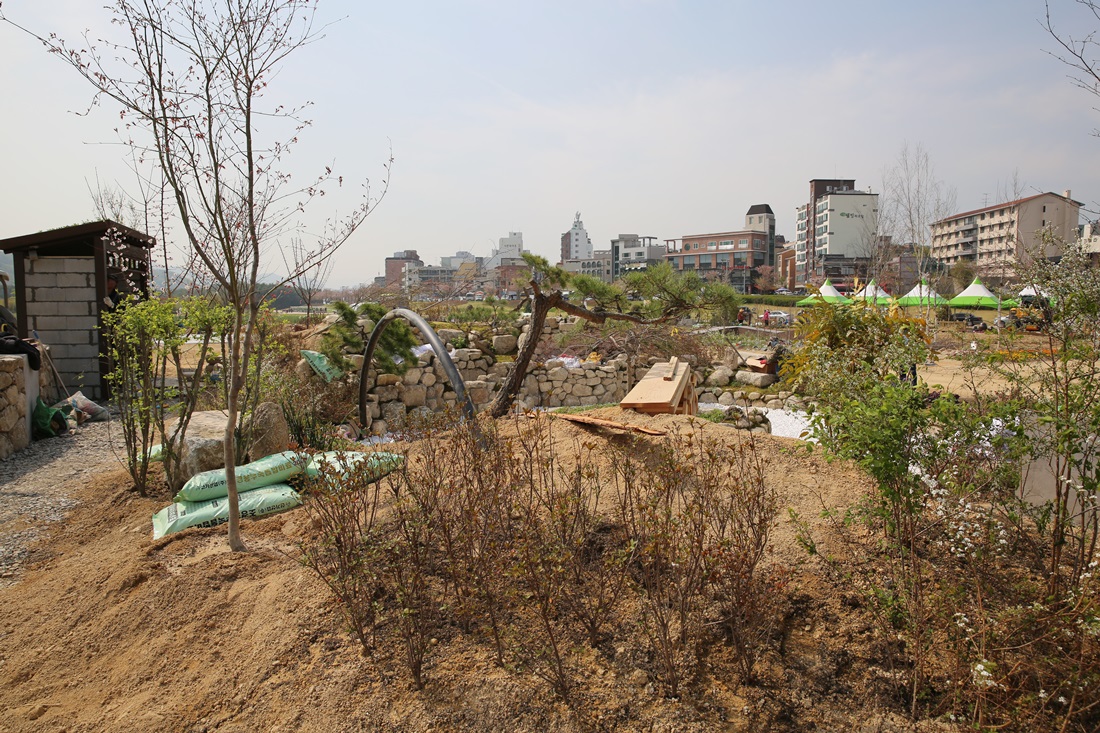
(62, 308)
(14, 425)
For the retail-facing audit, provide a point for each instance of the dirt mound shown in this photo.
(109, 630)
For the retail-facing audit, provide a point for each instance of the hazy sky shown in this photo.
(653, 117)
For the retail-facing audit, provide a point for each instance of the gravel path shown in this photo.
(35, 485)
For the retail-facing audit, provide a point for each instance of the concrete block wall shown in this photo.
(62, 308)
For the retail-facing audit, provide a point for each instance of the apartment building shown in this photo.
(995, 238)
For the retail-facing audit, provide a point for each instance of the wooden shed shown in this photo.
(61, 292)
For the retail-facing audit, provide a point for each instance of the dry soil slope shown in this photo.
(109, 630)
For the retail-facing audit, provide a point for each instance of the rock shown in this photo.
(720, 377)
(387, 394)
(725, 398)
(304, 371)
(450, 335)
(478, 391)
(356, 361)
(756, 379)
(505, 344)
(203, 448)
(754, 396)
(270, 433)
(774, 404)
(415, 395)
(393, 415)
(412, 376)
(385, 380)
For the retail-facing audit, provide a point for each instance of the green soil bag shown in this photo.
(322, 365)
(341, 463)
(156, 453)
(254, 504)
(273, 469)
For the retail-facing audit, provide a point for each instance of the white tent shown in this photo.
(976, 295)
(874, 293)
(922, 294)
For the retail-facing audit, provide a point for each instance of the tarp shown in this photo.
(874, 293)
(922, 294)
(827, 293)
(976, 295)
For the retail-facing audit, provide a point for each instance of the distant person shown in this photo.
(767, 317)
(113, 297)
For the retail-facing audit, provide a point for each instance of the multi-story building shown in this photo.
(511, 247)
(395, 266)
(575, 243)
(598, 265)
(807, 255)
(786, 265)
(840, 224)
(729, 255)
(428, 279)
(995, 238)
(630, 253)
(761, 218)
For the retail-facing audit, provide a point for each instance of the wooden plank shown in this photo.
(672, 364)
(661, 390)
(606, 423)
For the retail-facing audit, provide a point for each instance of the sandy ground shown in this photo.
(107, 629)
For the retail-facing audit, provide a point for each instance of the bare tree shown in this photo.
(307, 281)
(1080, 53)
(188, 77)
(913, 198)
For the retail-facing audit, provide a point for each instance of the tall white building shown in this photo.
(575, 243)
(511, 247)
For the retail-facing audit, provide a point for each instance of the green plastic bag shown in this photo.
(156, 453)
(373, 465)
(322, 365)
(211, 513)
(48, 422)
(273, 469)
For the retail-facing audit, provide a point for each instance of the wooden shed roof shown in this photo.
(76, 233)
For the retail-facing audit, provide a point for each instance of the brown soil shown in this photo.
(110, 630)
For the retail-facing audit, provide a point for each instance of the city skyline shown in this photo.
(656, 118)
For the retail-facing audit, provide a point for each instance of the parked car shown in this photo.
(968, 318)
(782, 291)
(779, 318)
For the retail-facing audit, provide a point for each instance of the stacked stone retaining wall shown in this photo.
(14, 432)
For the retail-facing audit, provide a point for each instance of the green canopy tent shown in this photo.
(874, 294)
(976, 295)
(922, 295)
(827, 294)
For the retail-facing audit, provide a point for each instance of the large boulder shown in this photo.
(203, 447)
(505, 344)
(270, 433)
(756, 379)
(720, 377)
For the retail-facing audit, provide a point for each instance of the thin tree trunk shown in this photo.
(503, 401)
